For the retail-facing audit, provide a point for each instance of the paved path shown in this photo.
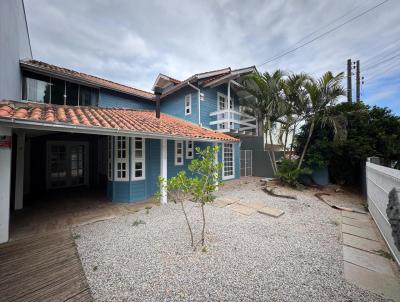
(42, 268)
(367, 262)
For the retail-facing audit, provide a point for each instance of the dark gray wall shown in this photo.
(261, 162)
(15, 45)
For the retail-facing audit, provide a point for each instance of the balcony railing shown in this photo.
(229, 120)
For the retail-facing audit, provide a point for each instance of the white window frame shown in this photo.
(188, 104)
(136, 160)
(110, 160)
(219, 94)
(226, 177)
(189, 149)
(178, 155)
(121, 160)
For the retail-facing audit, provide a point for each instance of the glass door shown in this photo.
(58, 166)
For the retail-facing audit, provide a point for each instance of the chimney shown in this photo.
(158, 92)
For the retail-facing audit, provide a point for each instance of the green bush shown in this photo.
(289, 174)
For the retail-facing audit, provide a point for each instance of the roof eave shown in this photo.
(34, 125)
(44, 71)
(232, 75)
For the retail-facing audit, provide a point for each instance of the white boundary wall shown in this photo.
(380, 181)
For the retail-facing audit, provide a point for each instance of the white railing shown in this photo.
(380, 181)
(230, 120)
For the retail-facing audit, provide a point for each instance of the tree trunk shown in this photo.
(306, 145)
(286, 139)
(188, 224)
(204, 225)
(291, 145)
(273, 153)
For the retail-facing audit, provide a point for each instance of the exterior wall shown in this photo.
(210, 103)
(110, 99)
(174, 104)
(134, 191)
(380, 181)
(15, 45)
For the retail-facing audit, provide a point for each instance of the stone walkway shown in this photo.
(367, 262)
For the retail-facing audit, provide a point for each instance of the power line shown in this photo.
(386, 52)
(381, 62)
(323, 34)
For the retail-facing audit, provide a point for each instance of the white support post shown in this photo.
(216, 160)
(5, 183)
(163, 169)
(19, 174)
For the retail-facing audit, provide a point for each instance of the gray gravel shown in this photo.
(297, 257)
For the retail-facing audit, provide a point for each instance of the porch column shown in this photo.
(19, 174)
(215, 144)
(5, 176)
(163, 169)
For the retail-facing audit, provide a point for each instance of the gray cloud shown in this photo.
(132, 41)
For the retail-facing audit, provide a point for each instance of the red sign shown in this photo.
(5, 141)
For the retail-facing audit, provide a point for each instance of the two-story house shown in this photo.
(63, 129)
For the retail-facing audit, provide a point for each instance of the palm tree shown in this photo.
(296, 98)
(321, 95)
(268, 104)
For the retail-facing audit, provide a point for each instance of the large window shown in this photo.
(178, 153)
(138, 158)
(121, 165)
(228, 161)
(49, 90)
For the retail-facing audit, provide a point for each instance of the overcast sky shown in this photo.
(132, 41)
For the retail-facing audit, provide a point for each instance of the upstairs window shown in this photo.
(138, 158)
(178, 153)
(121, 166)
(188, 104)
(189, 149)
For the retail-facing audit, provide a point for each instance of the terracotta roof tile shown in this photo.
(87, 78)
(142, 121)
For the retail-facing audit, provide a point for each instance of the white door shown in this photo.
(223, 105)
(67, 164)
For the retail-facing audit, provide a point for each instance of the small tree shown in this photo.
(199, 188)
(206, 180)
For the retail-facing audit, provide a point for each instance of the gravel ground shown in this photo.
(297, 257)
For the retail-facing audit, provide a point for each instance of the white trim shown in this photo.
(110, 158)
(224, 145)
(5, 183)
(120, 160)
(141, 160)
(189, 150)
(177, 163)
(188, 104)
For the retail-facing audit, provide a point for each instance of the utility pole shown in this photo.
(349, 92)
(358, 84)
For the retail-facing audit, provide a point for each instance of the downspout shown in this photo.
(158, 92)
(198, 100)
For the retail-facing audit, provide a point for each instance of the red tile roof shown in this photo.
(127, 120)
(53, 69)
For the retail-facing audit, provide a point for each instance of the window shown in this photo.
(36, 88)
(223, 105)
(228, 161)
(138, 158)
(178, 153)
(189, 149)
(121, 158)
(110, 152)
(188, 104)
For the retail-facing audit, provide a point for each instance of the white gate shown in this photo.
(246, 162)
(380, 181)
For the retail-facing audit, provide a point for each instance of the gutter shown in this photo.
(24, 124)
(198, 100)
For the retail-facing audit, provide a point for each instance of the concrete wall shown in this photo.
(15, 45)
(380, 181)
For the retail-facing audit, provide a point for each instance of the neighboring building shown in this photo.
(64, 129)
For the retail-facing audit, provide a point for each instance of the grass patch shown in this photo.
(95, 268)
(385, 254)
(76, 236)
(138, 222)
(334, 222)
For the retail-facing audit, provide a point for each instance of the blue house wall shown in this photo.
(134, 191)
(174, 104)
(112, 99)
